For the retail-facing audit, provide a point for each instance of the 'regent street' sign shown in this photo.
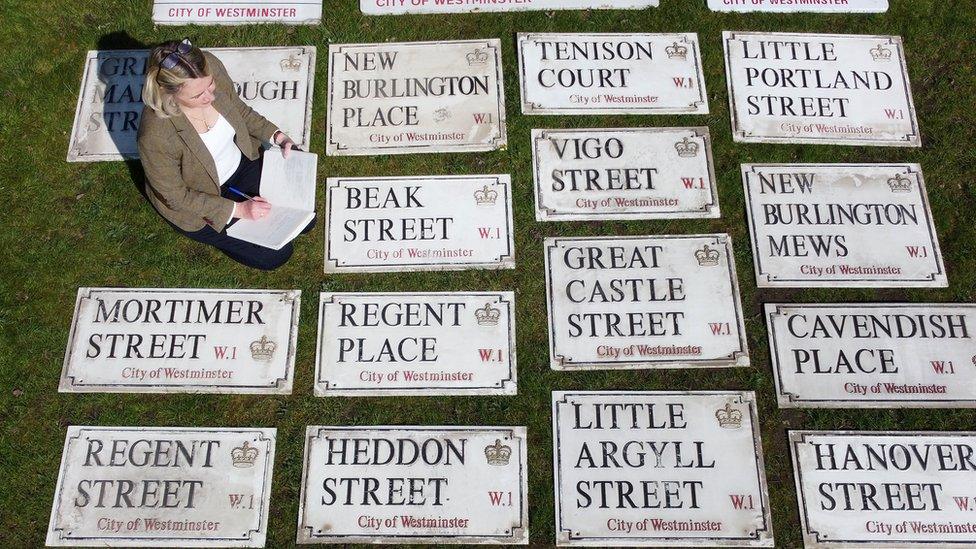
(611, 74)
(841, 225)
(378, 344)
(183, 340)
(661, 469)
(819, 88)
(396, 7)
(873, 355)
(163, 487)
(623, 173)
(236, 12)
(778, 6)
(412, 485)
(643, 302)
(415, 97)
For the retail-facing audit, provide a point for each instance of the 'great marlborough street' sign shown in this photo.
(819, 88)
(396, 7)
(409, 485)
(611, 74)
(643, 302)
(236, 12)
(624, 173)
(841, 225)
(825, 6)
(182, 341)
(163, 487)
(276, 82)
(376, 344)
(415, 97)
(659, 469)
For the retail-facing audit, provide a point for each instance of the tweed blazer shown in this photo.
(181, 177)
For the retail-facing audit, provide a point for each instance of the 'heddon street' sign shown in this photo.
(819, 88)
(415, 97)
(623, 173)
(611, 74)
(824, 6)
(163, 487)
(182, 340)
(276, 82)
(873, 355)
(885, 489)
(409, 485)
(643, 302)
(396, 7)
(424, 223)
(841, 225)
(376, 344)
(236, 12)
(662, 469)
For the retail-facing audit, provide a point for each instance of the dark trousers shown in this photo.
(246, 179)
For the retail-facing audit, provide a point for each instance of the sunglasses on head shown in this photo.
(173, 58)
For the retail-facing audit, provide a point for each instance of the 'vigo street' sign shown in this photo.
(236, 12)
(819, 88)
(182, 340)
(163, 487)
(396, 7)
(611, 74)
(376, 344)
(841, 225)
(409, 485)
(659, 469)
(825, 6)
(885, 489)
(276, 82)
(415, 97)
(643, 302)
(624, 173)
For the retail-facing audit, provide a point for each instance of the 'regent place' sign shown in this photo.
(182, 341)
(823, 6)
(661, 469)
(459, 485)
(236, 12)
(850, 225)
(643, 302)
(163, 487)
(819, 88)
(415, 97)
(611, 74)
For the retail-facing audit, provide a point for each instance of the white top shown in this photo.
(220, 142)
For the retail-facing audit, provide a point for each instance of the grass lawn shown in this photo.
(70, 225)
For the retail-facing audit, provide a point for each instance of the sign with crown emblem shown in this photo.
(163, 487)
(236, 12)
(885, 489)
(839, 6)
(643, 302)
(625, 173)
(377, 344)
(842, 89)
(611, 74)
(873, 355)
(275, 81)
(415, 97)
(661, 469)
(397, 7)
(841, 225)
(421, 223)
(181, 340)
(414, 485)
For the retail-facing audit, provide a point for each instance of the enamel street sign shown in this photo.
(397, 7)
(236, 12)
(779, 6)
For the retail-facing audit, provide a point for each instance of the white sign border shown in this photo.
(748, 8)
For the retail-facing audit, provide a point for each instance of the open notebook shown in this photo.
(289, 185)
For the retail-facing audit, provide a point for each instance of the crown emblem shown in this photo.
(880, 53)
(485, 196)
(728, 417)
(686, 148)
(263, 349)
(441, 114)
(676, 51)
(707, 257)
(487, 315)
(477, 57)
(291, 64)
(497, 453)
(900, 184)
(244, 456)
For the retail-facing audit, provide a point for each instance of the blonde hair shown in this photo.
(163, 84)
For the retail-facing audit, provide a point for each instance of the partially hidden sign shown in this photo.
(779, 6)
(236, 12)
(396, 7)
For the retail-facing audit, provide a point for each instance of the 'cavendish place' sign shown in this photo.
(236, 12)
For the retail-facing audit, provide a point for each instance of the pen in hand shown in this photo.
(255, 206)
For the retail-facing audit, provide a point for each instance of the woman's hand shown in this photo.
(284, 142)
(255, 208)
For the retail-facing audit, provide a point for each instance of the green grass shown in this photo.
(70, 225)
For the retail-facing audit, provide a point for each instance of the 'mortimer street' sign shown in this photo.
(163, 487)
(415, 97)
(841, 225)
(643, 302)
(662, 469)
(396, 7)
(236, 12)
(611, 74)
(376, 344)
(885, 489)
(409, 485)
(182, 341)
(824, 6)
(276, 82)
(819, 88)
